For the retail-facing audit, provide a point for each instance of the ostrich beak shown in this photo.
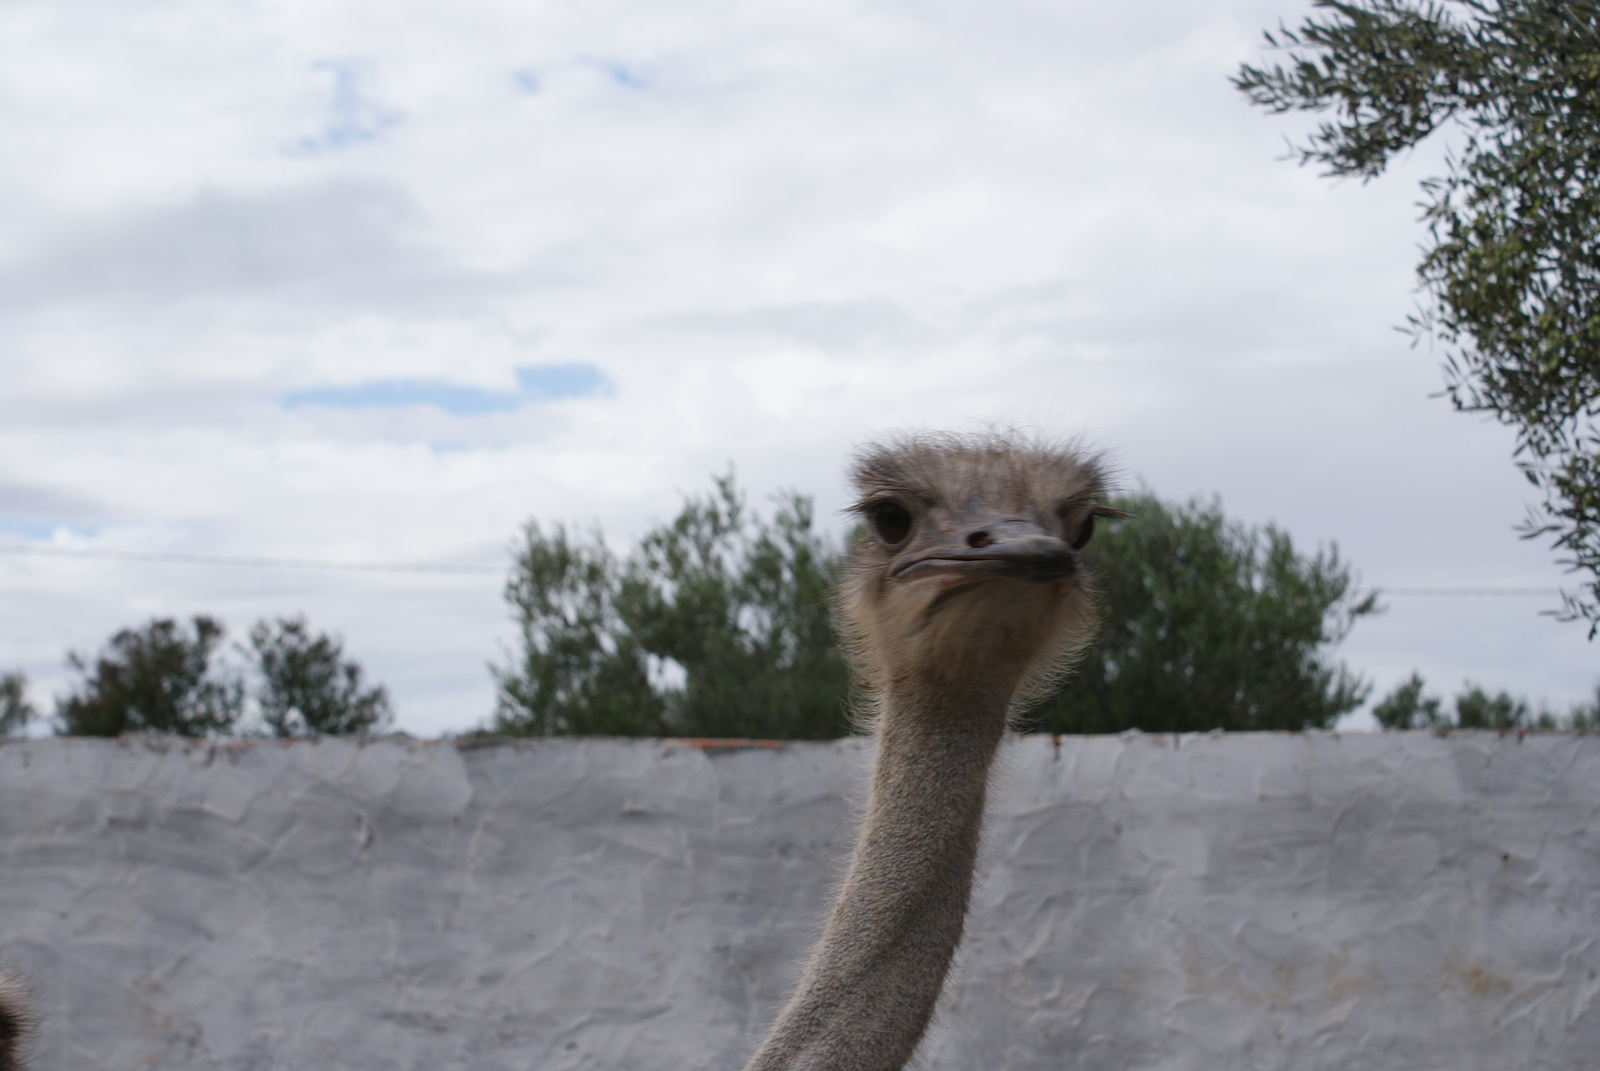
(993, 547)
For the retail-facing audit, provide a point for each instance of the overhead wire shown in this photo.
(255, 562)
(1545, 592)
(259, 562)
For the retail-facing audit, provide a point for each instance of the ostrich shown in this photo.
(16, 1021)
(963, 597)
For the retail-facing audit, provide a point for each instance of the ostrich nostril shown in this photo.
(979, 539)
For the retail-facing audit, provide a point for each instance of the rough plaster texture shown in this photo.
(1248, 901)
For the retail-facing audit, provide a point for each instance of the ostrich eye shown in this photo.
(1081, 540)
(891, 523)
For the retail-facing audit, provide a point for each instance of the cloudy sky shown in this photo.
(376, 282)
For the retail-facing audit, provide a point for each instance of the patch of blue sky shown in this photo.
(352, 117)
(556, 381)
(548, 382)
(526, 81)
(623, 75)
(35, 531)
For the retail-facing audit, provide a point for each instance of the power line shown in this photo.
(1544, 592)
(499, 570)
(257, 563)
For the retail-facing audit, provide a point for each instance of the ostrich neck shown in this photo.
(869, 989)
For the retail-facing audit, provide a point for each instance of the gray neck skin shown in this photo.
(869, 989)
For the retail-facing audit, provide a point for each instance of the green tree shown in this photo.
(307, 688)
(741, 605)
(716, 625)
(15, 710)
(579, 672)
(1512, 266)
(1477, 709)
(1209, 625)
(155, 677)
(1407, 708)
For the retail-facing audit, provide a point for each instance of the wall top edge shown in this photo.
(153, 741)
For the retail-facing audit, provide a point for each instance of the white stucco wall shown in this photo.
(1249, 901)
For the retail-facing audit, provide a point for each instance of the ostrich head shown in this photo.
(967, 572)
